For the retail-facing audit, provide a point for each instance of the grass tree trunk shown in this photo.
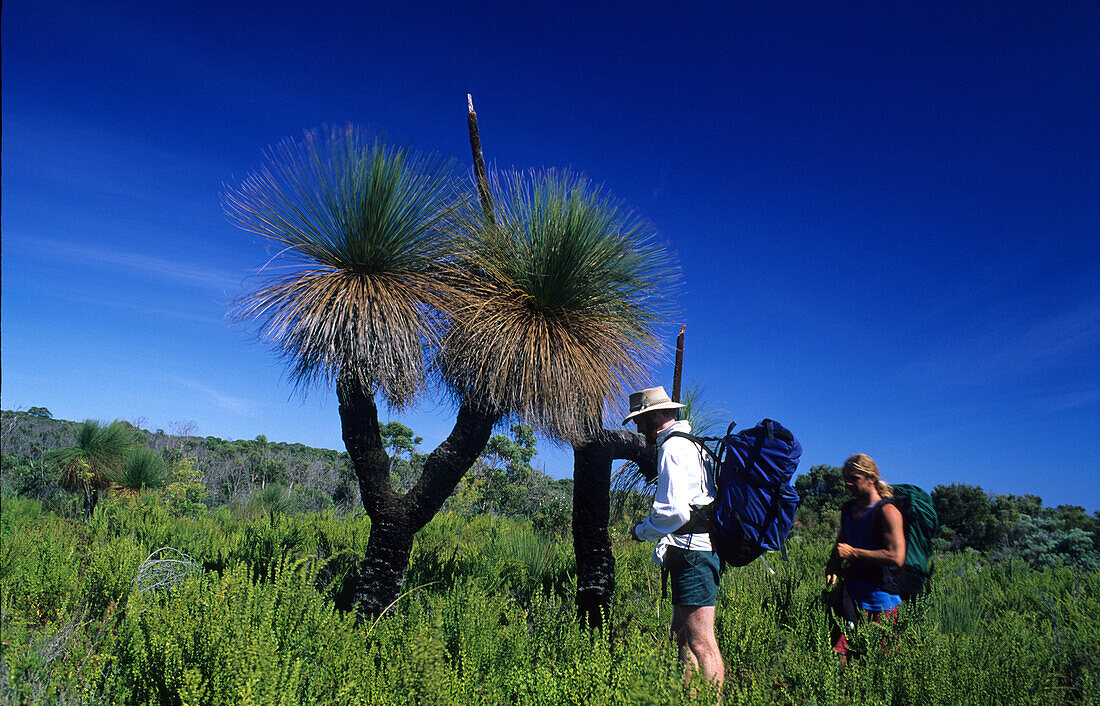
(592, 462)
(396, 518)
(91, 497)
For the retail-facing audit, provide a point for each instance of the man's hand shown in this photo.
(830, 580)
(846, 551)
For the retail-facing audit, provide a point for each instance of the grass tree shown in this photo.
(384, 281)
(143, 469)
(565, 293)
(95, 461)
(354, 297)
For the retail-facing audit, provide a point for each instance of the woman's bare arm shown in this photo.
(893, 554)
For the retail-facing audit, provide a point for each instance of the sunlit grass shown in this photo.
(492, 620)
(97, 457)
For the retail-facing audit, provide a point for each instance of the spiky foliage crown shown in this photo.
(143, 469)
(99, 454)
(561, 294)
(361, 231)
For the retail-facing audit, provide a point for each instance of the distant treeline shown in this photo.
(206, 472)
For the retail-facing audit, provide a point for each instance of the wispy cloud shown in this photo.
(151, 311)
(1009, 351)
(57, 157)
(1072, 400)
(133, 264)
(1065, 335)
(236, 405)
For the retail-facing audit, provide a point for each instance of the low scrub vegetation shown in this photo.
(255, 610)
(215, 571)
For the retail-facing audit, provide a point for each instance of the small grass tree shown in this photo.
(94, 463)
(143, 469)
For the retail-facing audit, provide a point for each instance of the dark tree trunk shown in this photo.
(91, 497)
(382, 573)
(395, 518)
(591, 510)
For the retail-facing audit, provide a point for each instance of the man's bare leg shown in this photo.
(693, 627)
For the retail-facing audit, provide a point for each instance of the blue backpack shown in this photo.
(754, 509)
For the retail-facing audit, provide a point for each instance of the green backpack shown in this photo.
(921, 524)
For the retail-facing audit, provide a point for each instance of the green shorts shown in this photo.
(694, 575)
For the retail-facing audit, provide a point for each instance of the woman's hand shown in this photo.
(846, 551)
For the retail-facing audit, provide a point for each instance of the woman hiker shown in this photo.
(869, 549)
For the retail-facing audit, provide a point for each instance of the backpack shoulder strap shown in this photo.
(700, 441)
(715, 456)
(878, 522)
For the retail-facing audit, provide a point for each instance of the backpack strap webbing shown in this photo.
(701, 519)
(700, 441)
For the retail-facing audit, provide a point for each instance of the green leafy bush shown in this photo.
(144, 469)
(488, 618)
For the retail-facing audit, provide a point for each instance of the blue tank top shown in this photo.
(861, 535)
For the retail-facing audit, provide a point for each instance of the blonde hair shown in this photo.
(864, 465)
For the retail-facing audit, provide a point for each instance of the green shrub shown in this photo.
(488, 617)
(143, 469)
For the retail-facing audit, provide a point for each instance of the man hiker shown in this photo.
(685, 485)
(873, 549)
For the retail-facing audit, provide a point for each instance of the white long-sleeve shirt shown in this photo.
(684, 480)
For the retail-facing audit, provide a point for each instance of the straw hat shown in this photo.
(650, 400)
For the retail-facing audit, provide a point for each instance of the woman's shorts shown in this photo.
(694, 576)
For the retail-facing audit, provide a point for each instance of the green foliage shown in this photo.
(966, 515)
(513, 456)
(504, 482)
(306, 499)
(272, 499)
(1017, 526)
(96, 460)
(200, 472)
(143, 469)
(20, 477)
(560, 294)
(186, 494)
(506, 471)
(40, 412)
(30, 437)
(399, 439)
(99, 453)
(488, 618)
(405, 463)
(1045, 541)
(203, 473)
(822, 494)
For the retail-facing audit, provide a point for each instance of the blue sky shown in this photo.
(886, 216)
